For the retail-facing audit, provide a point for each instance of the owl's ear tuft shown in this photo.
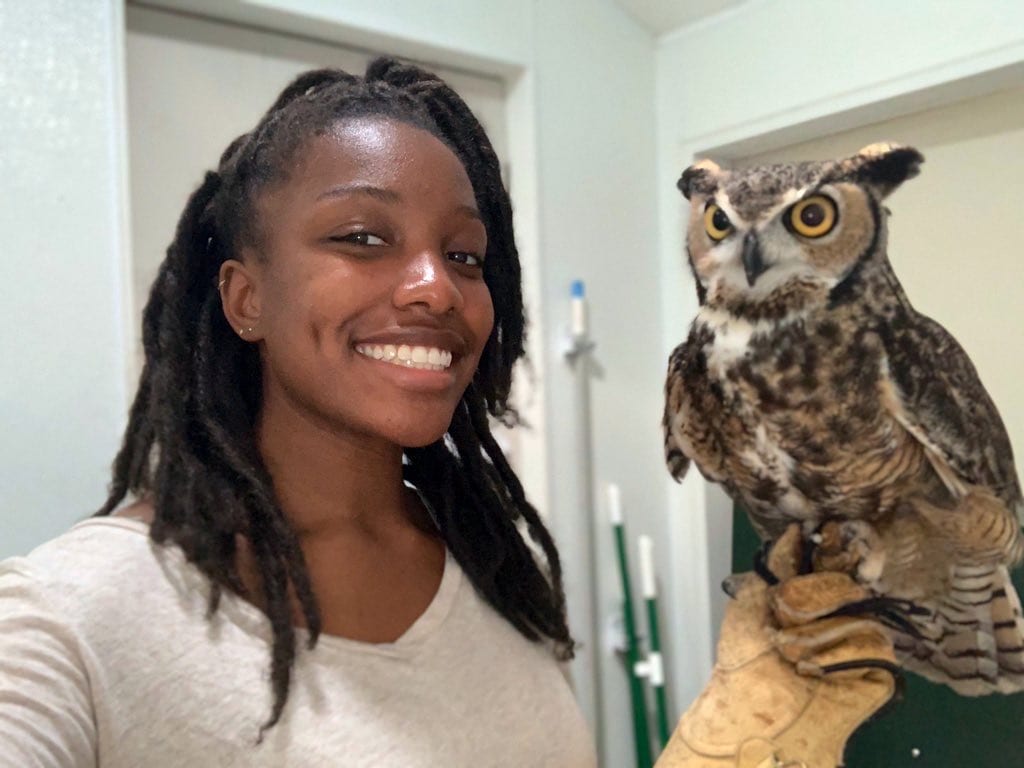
(886, 166)
(701, 178)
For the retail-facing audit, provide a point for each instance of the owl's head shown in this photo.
(778, 232)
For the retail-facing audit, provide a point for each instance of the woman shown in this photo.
(316, 488)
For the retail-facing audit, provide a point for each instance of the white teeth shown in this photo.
(426, 358)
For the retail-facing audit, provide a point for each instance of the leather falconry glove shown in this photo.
(793, 680)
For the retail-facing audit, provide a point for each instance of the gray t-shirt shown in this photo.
(108, 660)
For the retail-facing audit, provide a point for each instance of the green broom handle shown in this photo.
(642, 738)
(655, 667)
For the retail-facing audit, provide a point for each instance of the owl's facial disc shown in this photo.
(785, 234)
(752, 257)
(790, 239)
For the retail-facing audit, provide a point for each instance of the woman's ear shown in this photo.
(239, 286)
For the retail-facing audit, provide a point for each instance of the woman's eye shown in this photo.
(360, 238)
(464, 257)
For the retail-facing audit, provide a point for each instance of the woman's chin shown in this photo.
(421, 439)
(417, 433)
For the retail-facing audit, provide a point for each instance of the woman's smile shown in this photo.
(421, 358)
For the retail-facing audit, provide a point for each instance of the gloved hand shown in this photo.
(791, 684)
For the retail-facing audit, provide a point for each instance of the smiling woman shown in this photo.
(310, 459)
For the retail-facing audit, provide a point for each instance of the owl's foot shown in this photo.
(849, 546)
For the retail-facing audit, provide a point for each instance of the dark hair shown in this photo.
(189, 444)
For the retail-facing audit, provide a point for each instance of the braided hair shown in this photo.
(190, 446)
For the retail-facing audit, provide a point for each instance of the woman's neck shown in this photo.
(330, 482)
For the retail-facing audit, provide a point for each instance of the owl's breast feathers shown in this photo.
(838, 411)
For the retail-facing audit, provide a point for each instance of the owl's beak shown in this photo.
(753, 264)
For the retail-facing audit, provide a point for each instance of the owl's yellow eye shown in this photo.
(813, 217)
(716, 222)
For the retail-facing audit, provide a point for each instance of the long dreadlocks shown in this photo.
(190, 445)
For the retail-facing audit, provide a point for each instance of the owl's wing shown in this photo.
(941, 401)
(693, 402)
(675, 410)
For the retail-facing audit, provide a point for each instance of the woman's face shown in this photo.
(371, 303)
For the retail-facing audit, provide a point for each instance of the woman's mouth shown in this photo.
(406, 356)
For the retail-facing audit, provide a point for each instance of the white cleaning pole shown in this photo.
(614, 504)
(578, 304)
(578, 353)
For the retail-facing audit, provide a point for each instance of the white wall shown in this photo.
(62, 388)
(595, 96)
(767, 74)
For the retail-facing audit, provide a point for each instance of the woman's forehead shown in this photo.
(383, 150)
(377, 139)
(370, 158)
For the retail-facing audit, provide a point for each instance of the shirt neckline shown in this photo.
(253, 621)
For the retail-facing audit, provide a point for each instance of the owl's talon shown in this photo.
(849, 546)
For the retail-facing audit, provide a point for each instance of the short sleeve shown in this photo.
(46, 716)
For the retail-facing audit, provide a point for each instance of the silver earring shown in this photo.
(220, 285)
(243, 331)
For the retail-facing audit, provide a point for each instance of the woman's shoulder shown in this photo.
(85, 563)
(108, 539)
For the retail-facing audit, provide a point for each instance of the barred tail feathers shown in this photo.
(973, 639)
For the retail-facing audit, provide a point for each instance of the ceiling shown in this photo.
(661, 16)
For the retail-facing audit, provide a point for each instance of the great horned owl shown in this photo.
(811, 389)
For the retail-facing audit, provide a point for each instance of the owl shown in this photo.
(814, 393)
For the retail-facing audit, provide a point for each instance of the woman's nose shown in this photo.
(427, 280)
